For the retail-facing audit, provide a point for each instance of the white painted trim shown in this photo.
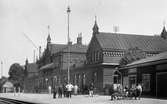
(110, 64)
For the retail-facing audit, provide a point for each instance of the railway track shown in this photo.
(13, 101)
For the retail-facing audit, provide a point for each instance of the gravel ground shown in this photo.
(79, 99)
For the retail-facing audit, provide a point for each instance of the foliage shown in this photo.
(16, 74)
(2, 81)
(132, 54)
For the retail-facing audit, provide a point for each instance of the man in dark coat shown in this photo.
(54, 91)
(91, 88)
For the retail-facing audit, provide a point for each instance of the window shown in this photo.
(75, 78)
(83, 79)
(94, 77)
(97, 54)
(74, 65)
(117, 77)
(94, 55)
(146, 82)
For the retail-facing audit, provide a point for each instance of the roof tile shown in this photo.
(126, 41)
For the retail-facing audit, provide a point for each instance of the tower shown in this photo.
(95, 28)
(164, 33)
(48, 38)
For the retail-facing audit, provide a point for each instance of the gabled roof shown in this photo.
(63, 48)
(119, 41)
(32, 68)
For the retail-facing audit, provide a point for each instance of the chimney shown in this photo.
(79, 39)
(70, 43)
(116, 29)
(39, 52)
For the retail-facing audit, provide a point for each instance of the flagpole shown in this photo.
(68, 37)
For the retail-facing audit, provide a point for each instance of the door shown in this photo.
(161, 85)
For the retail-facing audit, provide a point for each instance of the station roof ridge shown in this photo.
(120, 41)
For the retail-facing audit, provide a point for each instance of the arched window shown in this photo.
(117, 77)
(94, 77)
(84, 79)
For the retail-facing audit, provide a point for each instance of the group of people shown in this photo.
(134, 92)
(68, 89)
(65, 90)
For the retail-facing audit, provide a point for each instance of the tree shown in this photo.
(16, 75)
(132, 54)
(2, 81)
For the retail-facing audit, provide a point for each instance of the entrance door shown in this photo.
(132, 81)
(162, 85)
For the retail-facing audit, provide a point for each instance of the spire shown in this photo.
(164, 32)
(48, 39)
(39, 52)
(26, 67)
(95, 28)
(26, 61)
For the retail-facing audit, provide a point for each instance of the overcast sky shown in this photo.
(32, 17)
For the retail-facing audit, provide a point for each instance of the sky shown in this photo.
(20, 19)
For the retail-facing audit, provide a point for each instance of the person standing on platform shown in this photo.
(64, 90)
(60, 91)
(91, 88)
(69, 87)
(49, 89)
(75, 89)
(54, 91)
(138, 90)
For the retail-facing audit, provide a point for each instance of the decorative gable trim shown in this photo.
(114, 54)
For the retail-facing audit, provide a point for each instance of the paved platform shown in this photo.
(79, 99)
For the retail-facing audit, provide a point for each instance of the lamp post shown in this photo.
(68, 37)
(46, 79)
